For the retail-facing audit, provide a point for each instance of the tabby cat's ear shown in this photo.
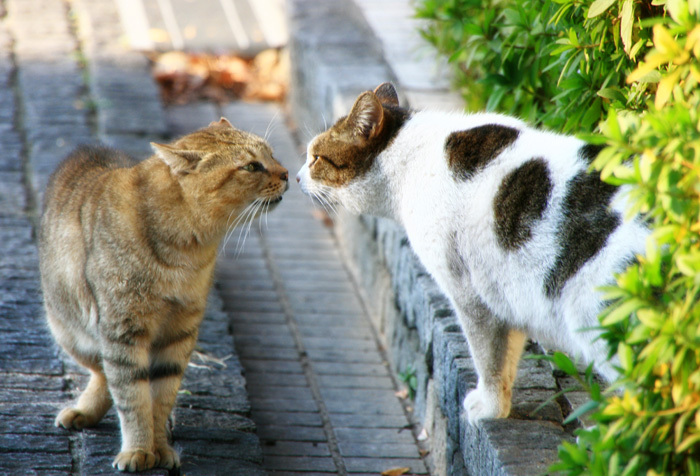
(222, 122)
(386, 93)
(178, 160)
(367, 116)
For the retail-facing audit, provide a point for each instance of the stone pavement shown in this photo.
(246, 26)
(65, 80)
(319, 394)
(318, 382)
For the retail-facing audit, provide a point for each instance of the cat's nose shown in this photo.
(284, 176)
(298, 179)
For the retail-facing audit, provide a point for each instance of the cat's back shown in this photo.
(77, 184)
(81, 171)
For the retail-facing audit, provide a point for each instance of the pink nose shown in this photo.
(298, 179)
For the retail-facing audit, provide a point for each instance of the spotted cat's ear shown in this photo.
(221, 122)
(179, 161)
(387, 95)
(367, 116)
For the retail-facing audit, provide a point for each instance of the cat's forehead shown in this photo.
(218, 138)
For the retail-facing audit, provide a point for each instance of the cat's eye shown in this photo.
(254, 167)
(327, 160)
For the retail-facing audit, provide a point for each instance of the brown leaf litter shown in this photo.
(186, 77)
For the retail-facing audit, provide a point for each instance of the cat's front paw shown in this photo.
(136, 459)
(167, 457)
(74, 419)
(481, 405)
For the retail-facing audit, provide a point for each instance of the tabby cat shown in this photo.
(506, 218)
(127, 253)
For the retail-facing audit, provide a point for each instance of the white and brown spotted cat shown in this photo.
(127, 253)
(507, 219)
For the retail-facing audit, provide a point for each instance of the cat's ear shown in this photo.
(178, 160)
(367, 116)
(222, 122)
(386, 93)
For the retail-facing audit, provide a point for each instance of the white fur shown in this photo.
(502, 295)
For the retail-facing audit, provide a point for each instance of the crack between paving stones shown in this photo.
(87, 101)
(303, 357)
(18, 125)
(32, 208)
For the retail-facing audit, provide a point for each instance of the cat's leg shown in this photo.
(167, 369)
(496, 349)
(95, 400)
(126, 366)
(91, 407)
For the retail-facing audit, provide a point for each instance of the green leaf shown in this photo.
(598, 7)
(689, 264)
(626, 356)
(564, 363)
(688, 442)
(622, 312)
(584, 409)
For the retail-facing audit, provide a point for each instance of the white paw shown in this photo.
(481, 405)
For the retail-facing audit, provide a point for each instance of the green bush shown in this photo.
(557, 63)
(648, 115)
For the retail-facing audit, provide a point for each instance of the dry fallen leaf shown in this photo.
(395, 471)
(402, 394)
(185, 77)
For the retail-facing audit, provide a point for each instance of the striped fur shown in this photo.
(127, 253)
(507, 219)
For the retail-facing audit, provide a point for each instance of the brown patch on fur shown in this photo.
(347, 150)
(588, 222)
(470, 151)
(521, 200)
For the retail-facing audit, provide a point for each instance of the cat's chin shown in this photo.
(272, 203)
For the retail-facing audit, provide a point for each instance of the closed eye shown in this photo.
(326, 159)
(254, 167)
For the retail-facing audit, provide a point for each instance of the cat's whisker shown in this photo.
(251, 216)
(310, 133)
(267, 212)
(270, 126)
(327, 206)
(229, 228)
(327, 202)
(239, 219)
(241, 244)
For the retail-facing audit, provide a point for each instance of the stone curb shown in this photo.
(336, 55)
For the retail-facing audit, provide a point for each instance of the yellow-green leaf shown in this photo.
(624, 353)
(666, 85)
(622, 312)
(688, 442)
(650, 318)
(646, 69)
(598, 7)
(664, 42)
(626, 22)
(689, 264)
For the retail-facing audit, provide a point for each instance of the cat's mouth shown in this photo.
(273, 201)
